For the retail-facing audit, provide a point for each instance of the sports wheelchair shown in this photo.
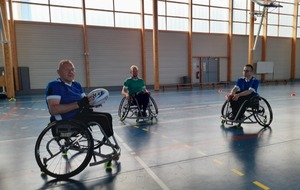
(258, 111)
(65, 148)
(130, 109)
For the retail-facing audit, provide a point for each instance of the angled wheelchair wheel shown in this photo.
(226, 110)
(123, 109)
(263, 112)
(152, 107)
(63, 149)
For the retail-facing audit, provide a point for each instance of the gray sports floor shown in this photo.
(186, 148)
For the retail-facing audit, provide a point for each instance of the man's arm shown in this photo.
(145, 90)
(125, 92)
(56, 108)
(234, 90)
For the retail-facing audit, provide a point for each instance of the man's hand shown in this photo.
(229, 96)
(84, 102)
(235, 97)
(127, 96)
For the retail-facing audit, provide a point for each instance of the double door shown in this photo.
(208, 70)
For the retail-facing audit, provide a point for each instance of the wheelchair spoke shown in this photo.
(263, 114)
(63, 149)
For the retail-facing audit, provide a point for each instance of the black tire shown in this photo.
(152, 107)
(123, 109)
(263, 112)
(63, 149)
(226, 109)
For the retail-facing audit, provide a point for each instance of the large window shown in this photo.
(172, 14)
(280, 20)
(58, 11)
(208, 16)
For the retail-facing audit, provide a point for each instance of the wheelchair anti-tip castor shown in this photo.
(108, 166)
(239, 126)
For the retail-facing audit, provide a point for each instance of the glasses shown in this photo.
(246, 71)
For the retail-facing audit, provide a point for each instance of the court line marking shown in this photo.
(261, 185)
(237, 172)
(201, 153)
(145, 166)
(10, 112)
(218, 162)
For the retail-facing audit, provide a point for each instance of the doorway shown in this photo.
(209, 70)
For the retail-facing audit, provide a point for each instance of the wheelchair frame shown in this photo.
(130, 109)
(259, 111)
(65, 148)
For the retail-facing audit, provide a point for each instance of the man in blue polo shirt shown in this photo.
(66, 100)
(244, 89)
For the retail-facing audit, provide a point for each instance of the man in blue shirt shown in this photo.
(66, 100)
(244, 89)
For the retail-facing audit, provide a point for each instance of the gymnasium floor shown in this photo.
(187, 148)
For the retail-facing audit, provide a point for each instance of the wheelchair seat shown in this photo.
(258, 110)
(131, 109)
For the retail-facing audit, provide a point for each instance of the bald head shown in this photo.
(66, 71)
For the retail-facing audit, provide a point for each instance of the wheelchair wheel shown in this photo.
(263, 112)
(226, 110)
(63, 149)
(123, 109)
(152, 107)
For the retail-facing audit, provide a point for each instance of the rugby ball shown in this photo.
(98, 96)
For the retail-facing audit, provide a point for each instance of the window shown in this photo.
(99, 4)
(132, 6)
(201, 12)
(177, 24)
(31, 12)
(99, 18)
(201, 26)
(128, 20)
(240, 20)
(218, 27)
(175, 9)
(219, 14)
(208, 16)
(66, 15)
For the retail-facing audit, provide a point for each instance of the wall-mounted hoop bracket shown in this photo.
(266, 4)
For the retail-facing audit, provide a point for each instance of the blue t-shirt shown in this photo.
(244, 85)
(66, 93)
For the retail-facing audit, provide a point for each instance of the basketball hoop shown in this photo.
(265, 4)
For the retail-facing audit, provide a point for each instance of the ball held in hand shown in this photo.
(98, 96)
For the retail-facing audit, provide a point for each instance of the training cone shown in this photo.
(220, 91)
(293, 94)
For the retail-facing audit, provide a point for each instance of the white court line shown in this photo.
(144, 165)
(189, 118)
(152, 174)
(166, 109)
